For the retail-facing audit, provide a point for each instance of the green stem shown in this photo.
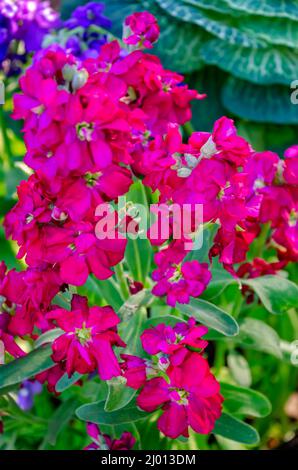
(237, 305)
(188, 128)
(6, 151)
(220, 355)
(124, 290)
(261, 240)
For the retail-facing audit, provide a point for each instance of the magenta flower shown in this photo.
(290, 172)
(89, 336)
(174, 341)
(105, 442)
(134, 370)
(190, 398)
(25, 297)
(176, 279)
(141, 30)
(223, 143)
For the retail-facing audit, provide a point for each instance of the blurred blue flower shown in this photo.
(88, 15)
(23, 25)
(25, 397)
(86, 24)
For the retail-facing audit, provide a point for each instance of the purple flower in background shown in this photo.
(86, 23)
(23, 25)
(88, 15)
(28, 390)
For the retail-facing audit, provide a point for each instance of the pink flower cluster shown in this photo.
(86, 345)
(237, 187)
(177, 379)
(91, 127)
(83, 125)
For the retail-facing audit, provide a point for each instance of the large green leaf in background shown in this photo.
(256, 334)
(254, 41)
(276, 293)
(244, 401)
(221, 26)
(232, 428)
(280, 8)
(259, 103)
(262, 66)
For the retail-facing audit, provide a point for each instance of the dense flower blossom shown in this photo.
(190, 397)
(141, 30)
(26, 296)
(177, 279)
(174, 341)
(223, 143)
(26, 21)
(105, 442)
(134, 370)
(89, 336)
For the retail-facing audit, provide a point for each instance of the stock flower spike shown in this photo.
(174, 341)
(190, 398)
(89, 336)
(141, 30)
(104, 119)
(177, 279)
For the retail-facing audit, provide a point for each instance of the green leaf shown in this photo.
(258, 102)
(214, 23)
(130, 330)
(255, 334)
(134, 303)
(211, 316)
(280, 31)
(267, 66)
(95, 413)
(205, 112)
(48, 337)
(276, 293)
(98, 291)
(232, 428)
(284, 9)
(59, 420)
(138, 255)
(6, 205)
(167, 319)
(139, 252)
(26, 367)
(119, 395)
(65, 382)
(202, 254)
(221, 279)
(239, 368)
(244, 401)
(179, 44)
(219, 6)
